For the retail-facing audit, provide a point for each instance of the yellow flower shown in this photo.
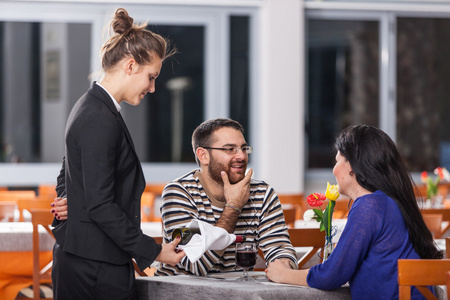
(332, 192)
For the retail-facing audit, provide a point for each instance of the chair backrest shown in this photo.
(47, 189)
(14, 195)
(148, 200)
(7, 209)
(38, 202)
(448, 285)
(434, 223)
(44, 218)
(148, 207)
(295, 201)
(290, 216)
(307, 237)
(421, 273)
(447, 247)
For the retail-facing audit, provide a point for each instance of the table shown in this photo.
(214, 287)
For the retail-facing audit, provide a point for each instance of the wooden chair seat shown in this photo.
(421, 273)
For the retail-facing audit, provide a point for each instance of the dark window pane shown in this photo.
(239, 71)
(343, 84)
(177, 106)
(423, 107)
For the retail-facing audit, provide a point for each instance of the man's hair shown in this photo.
(202, 136)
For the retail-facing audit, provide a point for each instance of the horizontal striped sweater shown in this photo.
(261, 220)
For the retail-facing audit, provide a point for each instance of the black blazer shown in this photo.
(103, 180)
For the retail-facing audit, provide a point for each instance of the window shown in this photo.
(423, 106)
(342, 82)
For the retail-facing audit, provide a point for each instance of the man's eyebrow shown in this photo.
(234, 145)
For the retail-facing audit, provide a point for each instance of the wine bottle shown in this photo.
(186, 234)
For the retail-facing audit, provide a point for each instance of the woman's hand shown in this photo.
(59, 208)
(169, 255)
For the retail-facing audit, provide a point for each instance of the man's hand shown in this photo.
(59, 208)
(277, 269)
(237, 194)
(169, 255)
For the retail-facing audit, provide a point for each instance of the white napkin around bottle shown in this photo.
(211, 238)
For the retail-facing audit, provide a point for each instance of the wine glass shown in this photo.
(246, 254)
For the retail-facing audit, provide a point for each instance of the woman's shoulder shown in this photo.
(373, 203)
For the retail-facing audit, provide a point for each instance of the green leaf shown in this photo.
(322, 226)
(318, 213)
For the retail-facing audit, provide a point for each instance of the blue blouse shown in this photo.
(374, 238)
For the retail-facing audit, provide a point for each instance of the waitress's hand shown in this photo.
(59, 208)
(169, 255)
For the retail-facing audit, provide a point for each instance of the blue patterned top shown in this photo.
(374, 238)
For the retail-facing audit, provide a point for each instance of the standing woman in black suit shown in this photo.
(102, 178)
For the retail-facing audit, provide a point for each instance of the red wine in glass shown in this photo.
(246, 254)
(246, 259)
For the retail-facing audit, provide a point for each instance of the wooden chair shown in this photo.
(14, 195)
(151, 193)
(421, 273)
(38, 202)
(7, 209)
(148, 207)
(290, 216)
(307, 237)
(448, 285)
(40, 217)
(447, 247)
(445, 212)
(47, 189)
(434, 223)
(304, 237)
(150, 270)
(293, 201)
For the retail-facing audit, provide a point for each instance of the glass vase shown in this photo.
(328, 248)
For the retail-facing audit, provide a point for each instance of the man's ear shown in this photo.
(202, 156)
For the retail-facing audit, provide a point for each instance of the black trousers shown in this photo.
(78, 278)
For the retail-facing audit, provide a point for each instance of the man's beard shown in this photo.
(214, 169)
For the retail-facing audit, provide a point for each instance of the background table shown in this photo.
(195, 287)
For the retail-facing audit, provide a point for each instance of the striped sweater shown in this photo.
(261, 220)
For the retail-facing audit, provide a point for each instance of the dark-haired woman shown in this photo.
(102, 176)
(384, 223)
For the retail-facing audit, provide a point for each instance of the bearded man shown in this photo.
(223, 194)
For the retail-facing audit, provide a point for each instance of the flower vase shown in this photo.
(328, 248)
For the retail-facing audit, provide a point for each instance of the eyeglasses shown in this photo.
(234, 150)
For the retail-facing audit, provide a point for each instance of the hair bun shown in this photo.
(122, 22)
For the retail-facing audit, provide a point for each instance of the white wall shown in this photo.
(280, 127)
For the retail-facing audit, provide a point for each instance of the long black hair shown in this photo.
(378, 165)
